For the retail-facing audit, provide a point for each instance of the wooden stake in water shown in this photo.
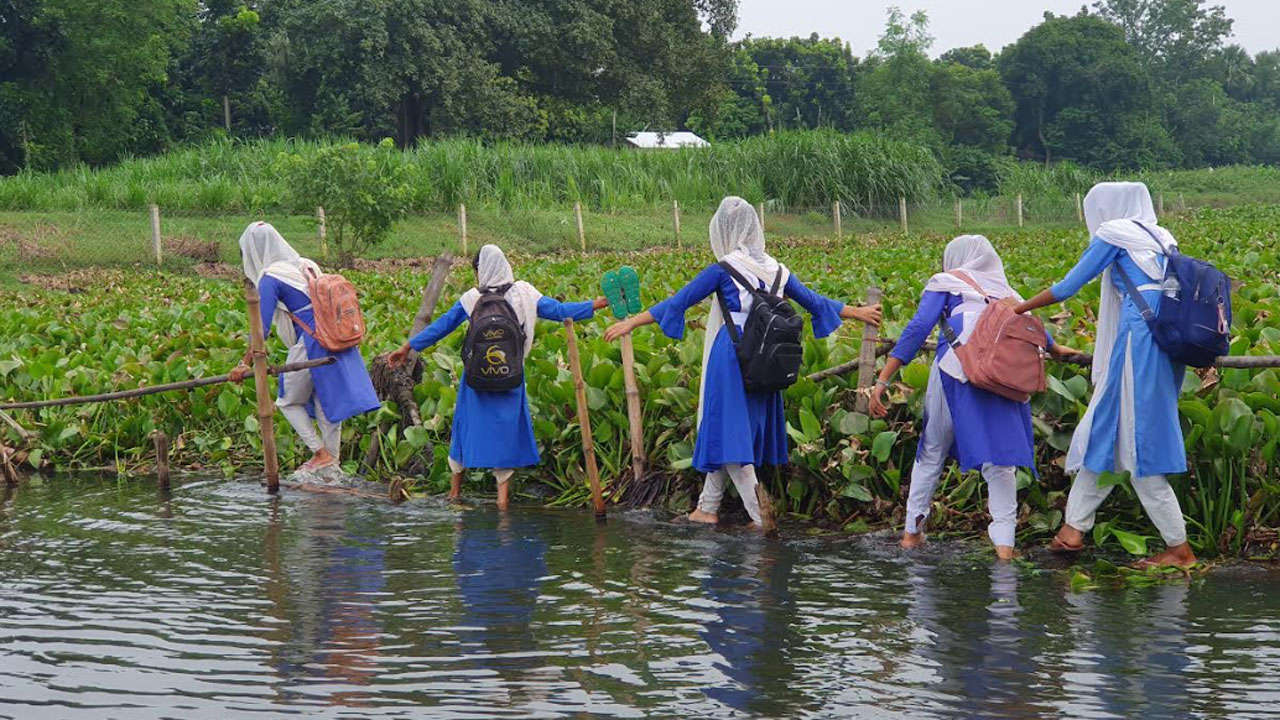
(902, 213)
(162, 458)
(155, 234)
(582, 235)
(675, 219)
(322, 231)
(835, 215)
(867, 356)
(959, 213)
(462, 227)
(266, 407)
(635, 414)
(584, 420)
(1019, 209)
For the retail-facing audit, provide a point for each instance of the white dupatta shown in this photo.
(264, 251)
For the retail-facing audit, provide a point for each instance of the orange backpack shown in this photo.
(1005, 352)
(339, 322)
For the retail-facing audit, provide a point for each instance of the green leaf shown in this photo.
(809, 425)
(854, 423)
(228, 402)
(418, 437)
(596, 398)
(1081, 582)
(1111, 479)
(882, 446)
(916, 375)
(857, 491)
(250, 425)
(1132, 543)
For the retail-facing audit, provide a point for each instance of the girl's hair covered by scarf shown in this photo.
(1118, 201)
(493, 271)
(263, 250)
(974, 256)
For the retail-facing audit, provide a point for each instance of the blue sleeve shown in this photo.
(439, 329)
(552, 309)
(1096, 259)
(669, 314)
(932, 305)
(268, 298)
(825, 311)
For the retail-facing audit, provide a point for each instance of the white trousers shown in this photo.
(931, 458)
(298, 391)
(1157, 497)
(502, 474)
(744, 478)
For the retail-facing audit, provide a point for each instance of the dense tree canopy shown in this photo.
(1121, 84)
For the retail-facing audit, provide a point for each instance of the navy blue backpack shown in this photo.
(1194, 323)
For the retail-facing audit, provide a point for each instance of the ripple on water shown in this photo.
(217, 601)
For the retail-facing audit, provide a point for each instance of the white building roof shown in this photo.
(665, 141)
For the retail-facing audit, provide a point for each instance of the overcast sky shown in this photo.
(959, 23)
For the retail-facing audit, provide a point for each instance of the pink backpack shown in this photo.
(1005, 352)
(339, 322)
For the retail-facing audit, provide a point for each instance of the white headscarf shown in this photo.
(494, 271)
(737, 238)
(264, 251)
(1110, 210)
(974, 256)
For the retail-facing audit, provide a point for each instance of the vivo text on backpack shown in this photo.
(336, 308)
(493, 352)
(1193, 325)
(768, 348)
(1005, 352)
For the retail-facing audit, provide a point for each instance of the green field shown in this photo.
(96, 330)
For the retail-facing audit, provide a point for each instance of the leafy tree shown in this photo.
(894, 91)
(977, 57)
(362, 188)
(1176, 37)
(971, 107)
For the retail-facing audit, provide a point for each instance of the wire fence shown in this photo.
(189, 241)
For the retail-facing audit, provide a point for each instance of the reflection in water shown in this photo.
(218, 602)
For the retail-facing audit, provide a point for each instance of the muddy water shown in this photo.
(218, 602)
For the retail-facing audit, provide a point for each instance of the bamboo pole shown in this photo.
(155, 389)
(462, 227)
(635, 414)
(1019, 209)
(162, 458)
(266, 408)
(675, 219)
(835, 215)
(582, 235)
(867, 356)
(902, 213)
(156, 249)
(959, 213)
(584, 419)
(1079, 208)
(322, 231)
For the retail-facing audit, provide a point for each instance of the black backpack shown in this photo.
(493, 352)
(769, 350)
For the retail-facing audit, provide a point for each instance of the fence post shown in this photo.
(462, 226)
(867, 357)
(1079, 209)
(1160, 205)
(322, 230)
(582, 236)
(155, 234)
(675, 219)
(835, 215)
(902, 213)
(1182, 202)
(760, 214)
(1019, 209)
(959, 213)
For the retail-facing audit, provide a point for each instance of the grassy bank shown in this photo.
(101, 330)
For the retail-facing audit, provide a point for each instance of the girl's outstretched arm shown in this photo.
(619, 329)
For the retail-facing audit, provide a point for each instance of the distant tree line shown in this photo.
(1124, 84)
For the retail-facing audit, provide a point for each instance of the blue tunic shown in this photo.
(738, 427)
(988, 428)
(1157, 380)
(343, 388)
(493, 429)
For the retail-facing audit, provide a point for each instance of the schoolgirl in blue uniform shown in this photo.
(737, 430)
(493, 429)
(319, 398)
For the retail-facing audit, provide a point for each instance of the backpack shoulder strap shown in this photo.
(964, 277)
(777, 281)
(737, 277)
(1132, 291)
(734, 335)
(1154, 236)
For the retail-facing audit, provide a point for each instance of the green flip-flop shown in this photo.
(630, 281)
(611, 286)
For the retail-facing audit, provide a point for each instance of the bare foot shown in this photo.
(702, 517)
(455, 486)
(911, 541)
(504, 500)
(1068, 540)
(1005, 553)
(1176, 556)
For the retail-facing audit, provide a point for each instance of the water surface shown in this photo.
(216, 601)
